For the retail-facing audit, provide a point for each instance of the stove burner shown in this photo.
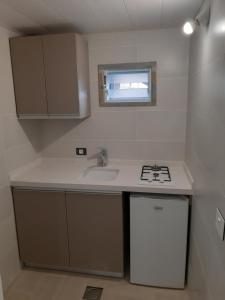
(155, 168)
(155, 174)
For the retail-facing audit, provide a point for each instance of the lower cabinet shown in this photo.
(80, 231)
(95, 226)
(41, 227)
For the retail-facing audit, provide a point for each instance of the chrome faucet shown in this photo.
(102, 157)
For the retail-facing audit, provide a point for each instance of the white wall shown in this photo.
(206, 155)
(19, 144)
(131, 133)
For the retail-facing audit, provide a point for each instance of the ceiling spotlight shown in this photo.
(202, 18)
(189, 27)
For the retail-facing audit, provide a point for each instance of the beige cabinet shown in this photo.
(51, 76)
(41, 227)
(29, 76)
(95, 228)
(77, 231)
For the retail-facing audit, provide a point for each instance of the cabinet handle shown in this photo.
(158, 208)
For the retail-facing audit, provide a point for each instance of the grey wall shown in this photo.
(206, 155)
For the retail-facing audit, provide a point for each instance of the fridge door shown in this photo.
(158, 240)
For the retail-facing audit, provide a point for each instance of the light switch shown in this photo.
(220, 223)
(81, 151)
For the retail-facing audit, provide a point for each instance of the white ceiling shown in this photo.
(31, 16)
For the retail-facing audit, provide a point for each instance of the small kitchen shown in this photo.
(91, 190)
(103, 149)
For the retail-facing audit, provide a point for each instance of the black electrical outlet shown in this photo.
(81, 151)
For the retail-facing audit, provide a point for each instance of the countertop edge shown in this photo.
(100, 188)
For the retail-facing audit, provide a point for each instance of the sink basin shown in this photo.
(100, 173)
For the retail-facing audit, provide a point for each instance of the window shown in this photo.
(127, 84)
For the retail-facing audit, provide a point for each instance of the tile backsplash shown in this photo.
(131, 132)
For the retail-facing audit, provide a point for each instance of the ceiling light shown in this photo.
(189, 27)
(202, 18)
(220, 27)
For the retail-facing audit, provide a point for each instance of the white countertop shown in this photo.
(66, 174)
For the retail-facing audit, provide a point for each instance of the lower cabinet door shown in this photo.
(95, 226)
(41, 227)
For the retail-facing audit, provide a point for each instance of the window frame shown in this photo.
(126, 66)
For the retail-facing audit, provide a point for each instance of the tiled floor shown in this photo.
(35, 285)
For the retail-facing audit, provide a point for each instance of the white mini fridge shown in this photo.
(158, 239)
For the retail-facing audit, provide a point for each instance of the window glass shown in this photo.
(127, 84)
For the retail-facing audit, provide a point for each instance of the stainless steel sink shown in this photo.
(100, 173)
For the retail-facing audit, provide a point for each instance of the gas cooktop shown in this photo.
(155, 174)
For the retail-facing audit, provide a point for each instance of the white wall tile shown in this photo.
(108, 125)
(196, 281)
(168, 47)
(172, 93)
(19, 155)
(60, 148)
(109, 55)
(126, 130)
(160, 150)
(161, 125)
(171, 60)
(13, 132)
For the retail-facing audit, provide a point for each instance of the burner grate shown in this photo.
(155, 173)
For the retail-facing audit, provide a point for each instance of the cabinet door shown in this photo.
(28, 74)
(41, 227)
(95, 225)
(61, 73)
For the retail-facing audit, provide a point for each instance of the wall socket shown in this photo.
(81, 151)
(220, 224)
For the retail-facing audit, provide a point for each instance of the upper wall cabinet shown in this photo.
(29, 78)
(51, 76)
